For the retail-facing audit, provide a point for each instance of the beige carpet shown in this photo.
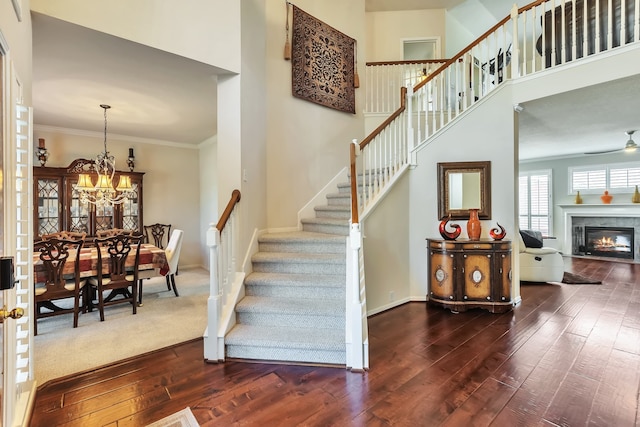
(163, 320)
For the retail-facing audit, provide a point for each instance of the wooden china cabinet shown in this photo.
(58, 206)
(467, 274)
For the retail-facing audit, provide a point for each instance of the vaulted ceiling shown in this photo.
(159, 96)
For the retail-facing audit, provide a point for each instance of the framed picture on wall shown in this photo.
(17, 6)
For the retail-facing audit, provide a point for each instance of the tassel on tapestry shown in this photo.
(287, 44)
(356, 77)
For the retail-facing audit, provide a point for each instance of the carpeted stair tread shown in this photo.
(292, 337)
(321, 220)
(296, 280)
(339, 226)
(333, 211)
(309, 242)
(339, 199)
(345, 187)
(301, 236)
(333, 208)
(298, 258)
(293, 306)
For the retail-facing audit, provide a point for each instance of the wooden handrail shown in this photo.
(461, 53)
(475, 43)
(235, 198)
(354, 185)
(415, 61)
(391, 118)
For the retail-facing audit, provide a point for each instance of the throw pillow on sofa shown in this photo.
(531, 238)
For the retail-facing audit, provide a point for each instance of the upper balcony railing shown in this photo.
(384, 80)
(539, 36)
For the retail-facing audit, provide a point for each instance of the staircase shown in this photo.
(294, 304)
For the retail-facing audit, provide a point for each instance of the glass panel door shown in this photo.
(130, 210)
(105, 219)
(49, 218)
(78, 213)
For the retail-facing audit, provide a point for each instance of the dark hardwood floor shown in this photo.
(568, 355)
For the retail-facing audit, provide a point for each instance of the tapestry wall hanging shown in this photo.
(322, 63)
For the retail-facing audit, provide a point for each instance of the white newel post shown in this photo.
(356, 358)
(213, 351)
(411, 143)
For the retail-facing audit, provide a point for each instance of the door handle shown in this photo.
(16, 313)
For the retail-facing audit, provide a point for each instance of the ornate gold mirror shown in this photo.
(463, 186)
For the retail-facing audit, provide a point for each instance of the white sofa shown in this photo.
(539, 263)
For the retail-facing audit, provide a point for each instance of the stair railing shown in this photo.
(512, 48)
(534, 38)
(221, 241)
(384, 80)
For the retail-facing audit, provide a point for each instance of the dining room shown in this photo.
(98, 325)
(166, 182)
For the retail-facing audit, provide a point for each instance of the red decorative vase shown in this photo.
(606, 198)
(449, 235)
(474, 227)
(498, 233)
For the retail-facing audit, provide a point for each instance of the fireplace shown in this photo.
(615, 242)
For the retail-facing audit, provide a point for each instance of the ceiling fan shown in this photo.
(629, 147)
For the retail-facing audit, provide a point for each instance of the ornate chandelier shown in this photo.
(103, 193)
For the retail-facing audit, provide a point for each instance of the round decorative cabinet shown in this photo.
(469, 274)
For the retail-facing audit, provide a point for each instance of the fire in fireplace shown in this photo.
(616, 242)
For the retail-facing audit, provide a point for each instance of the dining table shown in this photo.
(151, 258)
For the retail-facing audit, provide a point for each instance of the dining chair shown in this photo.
(66, 235)
(118, 279)
(52, 283)
(158, 234)
(173, 254)
(114, 232)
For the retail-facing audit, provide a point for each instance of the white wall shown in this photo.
(458, 37)
(386, 30)
(204, 30)
(208, 178)
(18, 37)
(307, 144)
(253, 111)
(171, 186)
(386, 247)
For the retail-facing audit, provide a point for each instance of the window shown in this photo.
(594, 179)
(535, 201)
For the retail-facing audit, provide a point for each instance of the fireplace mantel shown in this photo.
(593, 210)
